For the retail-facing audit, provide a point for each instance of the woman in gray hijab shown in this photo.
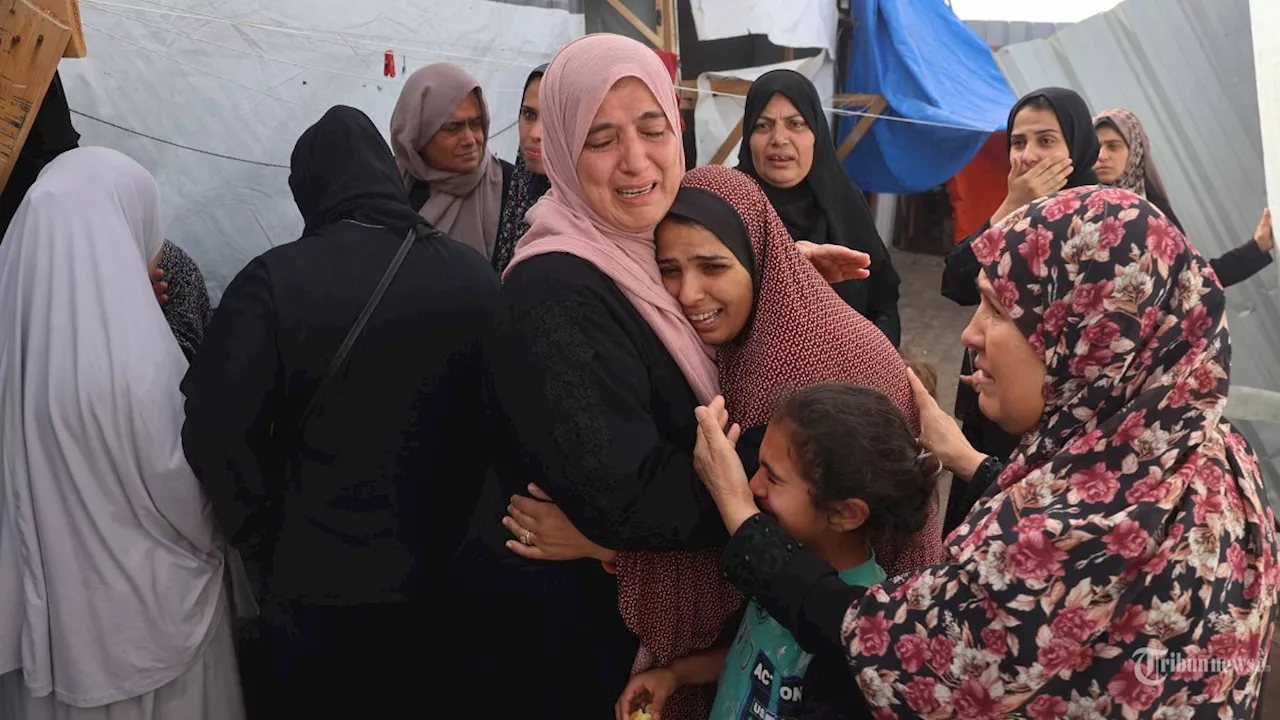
(440, 137)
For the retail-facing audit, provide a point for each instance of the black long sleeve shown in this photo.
(882, 299)
(965, 494)
(798, 588)
(578, 398)
(227, 436)
(1238, 265)
(960, 276)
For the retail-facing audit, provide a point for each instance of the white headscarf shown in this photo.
(110, 567)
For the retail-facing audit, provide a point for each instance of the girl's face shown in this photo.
(784, 493)
(1036, 136)
(531, 128)
(1113, 157)
(699, 271)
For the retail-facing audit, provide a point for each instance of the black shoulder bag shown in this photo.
(356, 328)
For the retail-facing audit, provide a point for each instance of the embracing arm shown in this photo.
(576, 394)
(798, 588)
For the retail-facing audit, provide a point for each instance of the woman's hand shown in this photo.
(647, 691)
(544, 532)
(1263, 235)
(1027, 184)
(836, 263)
(158, 285)
(941, 435)
(719, 466)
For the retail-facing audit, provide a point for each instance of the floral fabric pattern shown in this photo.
(1127, 565)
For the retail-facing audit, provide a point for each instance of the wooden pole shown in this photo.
(31, 43)
(654, 38)
(864, 124)
(726, 147)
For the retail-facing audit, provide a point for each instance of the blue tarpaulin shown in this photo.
(929, 67)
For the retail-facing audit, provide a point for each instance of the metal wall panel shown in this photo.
(999, 33)
(1186, 68)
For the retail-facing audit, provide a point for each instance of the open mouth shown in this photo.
(633, 193)
(780, 159)
(706, 319)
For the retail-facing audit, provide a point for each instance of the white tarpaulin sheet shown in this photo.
(243, 79)
(717, 115)
(787, 23)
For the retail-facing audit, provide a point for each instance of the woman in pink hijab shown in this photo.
(593, 377)
(594, 374)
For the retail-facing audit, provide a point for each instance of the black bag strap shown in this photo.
(356, 328)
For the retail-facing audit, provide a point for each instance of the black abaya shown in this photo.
(352, 517)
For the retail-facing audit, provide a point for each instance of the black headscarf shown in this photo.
(525, 189)
(1077, 129)
(826, 207)
(51, 135)
(724, 221)
(342, 169)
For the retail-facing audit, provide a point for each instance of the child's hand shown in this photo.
(646, 693)
(719, 466)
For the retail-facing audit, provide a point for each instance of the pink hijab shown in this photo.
(563, 221)
(466, 207)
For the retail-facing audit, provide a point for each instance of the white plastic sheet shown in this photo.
(1264, 16)
(787, 23)
(244, 78)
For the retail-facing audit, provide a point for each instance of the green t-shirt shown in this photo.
(763, 674)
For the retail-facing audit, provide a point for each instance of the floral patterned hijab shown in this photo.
(1130, 524)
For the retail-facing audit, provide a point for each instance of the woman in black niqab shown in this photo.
(825, 207)
(960, 281)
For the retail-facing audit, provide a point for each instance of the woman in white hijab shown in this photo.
(111, 595)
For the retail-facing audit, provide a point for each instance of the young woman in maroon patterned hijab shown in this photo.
(778, 326)
(1124, 564)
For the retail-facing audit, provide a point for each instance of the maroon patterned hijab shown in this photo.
(1132, 523)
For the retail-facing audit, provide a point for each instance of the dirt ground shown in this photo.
(931, 325)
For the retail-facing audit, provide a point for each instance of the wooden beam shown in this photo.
(648, 33)
(667, 20)
(31, 43)
(67, 12)
(726, 147)
(862, 127)
(854, 100)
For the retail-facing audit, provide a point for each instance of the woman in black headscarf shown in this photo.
(787, 148)
(529, 180)
(1052, 145)
(348, 512)
(51, 135)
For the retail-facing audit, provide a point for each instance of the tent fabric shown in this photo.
(929, 67)
(978, 190)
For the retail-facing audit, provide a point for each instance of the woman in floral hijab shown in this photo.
(1124, 564)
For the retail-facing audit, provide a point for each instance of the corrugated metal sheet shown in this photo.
(1186, 68)
(999, 33)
